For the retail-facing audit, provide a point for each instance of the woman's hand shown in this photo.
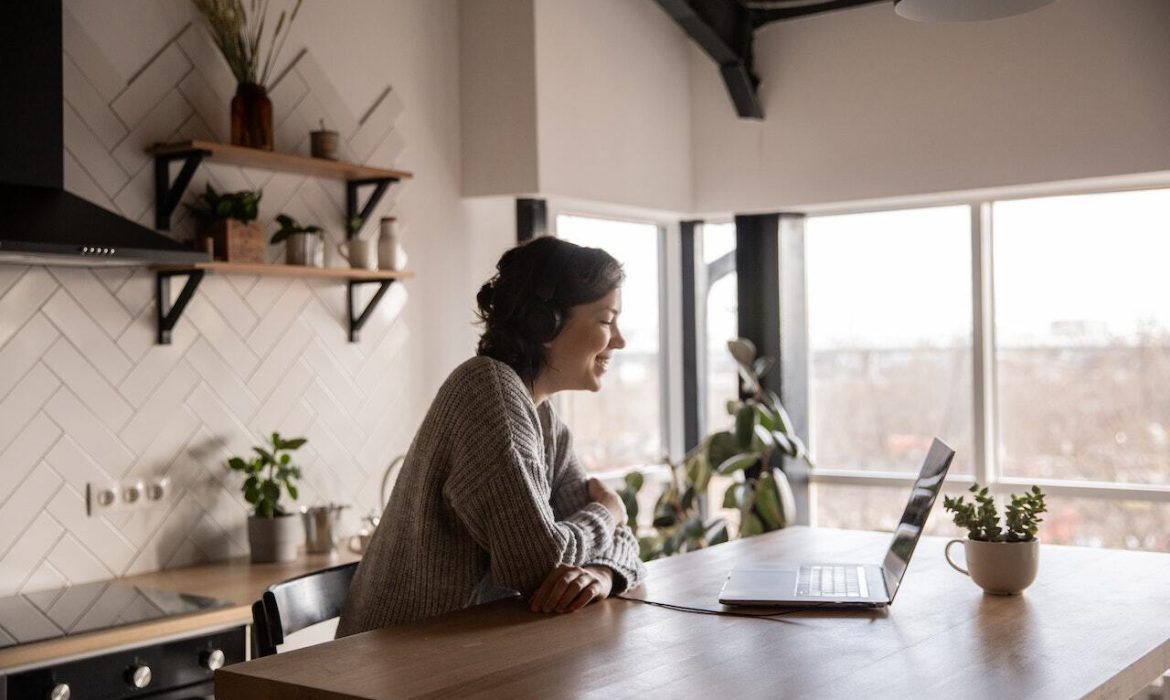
(607, 497)
(569, 588)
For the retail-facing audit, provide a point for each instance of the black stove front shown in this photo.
(164, 670)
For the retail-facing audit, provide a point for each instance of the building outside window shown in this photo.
(1077, 329)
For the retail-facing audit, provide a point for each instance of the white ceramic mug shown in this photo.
(362, 253)
(999, 568)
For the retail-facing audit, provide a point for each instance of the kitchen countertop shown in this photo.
(236, 580)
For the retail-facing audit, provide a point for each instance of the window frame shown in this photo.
(987, 468)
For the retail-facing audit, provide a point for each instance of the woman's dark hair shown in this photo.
(525, 304)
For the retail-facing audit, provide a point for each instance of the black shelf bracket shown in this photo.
(167, 193)
(354, 213)
(356, 320)
(167, 313)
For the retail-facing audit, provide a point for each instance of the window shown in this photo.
(1077, 336)
(889, 327)
(623, 425)
(1082, 304)
(722, 384)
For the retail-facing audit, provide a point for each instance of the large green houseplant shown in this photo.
(273, 533)
(750, 452)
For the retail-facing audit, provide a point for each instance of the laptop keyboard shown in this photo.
(832, 581)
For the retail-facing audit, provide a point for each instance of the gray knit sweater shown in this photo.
(489, 501)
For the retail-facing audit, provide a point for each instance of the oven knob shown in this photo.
(138, 676)
(60, 692)
(212, 660)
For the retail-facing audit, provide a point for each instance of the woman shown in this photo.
(491, 500)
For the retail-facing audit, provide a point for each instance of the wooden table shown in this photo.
(1095, 624)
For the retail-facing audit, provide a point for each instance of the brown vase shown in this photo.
(252, 117)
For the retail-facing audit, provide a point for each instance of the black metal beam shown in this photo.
(723, 28)
(355, 214)
(761, 16)
(531, 219)
(692, 402)
(757, 263)
(166, 193)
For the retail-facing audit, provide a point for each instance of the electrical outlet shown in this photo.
(129, 494)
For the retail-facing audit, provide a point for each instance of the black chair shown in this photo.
(292, 605)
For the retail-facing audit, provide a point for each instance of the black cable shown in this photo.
(703, 611)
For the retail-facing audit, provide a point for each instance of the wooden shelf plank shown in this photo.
(282, 162)
(340, 273)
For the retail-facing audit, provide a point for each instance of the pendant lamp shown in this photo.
(964, 10)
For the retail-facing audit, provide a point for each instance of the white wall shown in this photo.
(85, 394)
(861, 104)
(497, 79)
(613, 99)
(585, 100)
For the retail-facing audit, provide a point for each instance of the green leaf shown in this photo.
(270, 490)
(737, 463)
(745, 422)
(751, 526)
(787, 497)
(761, 366)
(785, 421)
(733, 406)
(768, 502)
(721, 446)
(285, 458)
(783, 443)
(292, 490)
(766, 417)
(294, 443)
(634, 481)
(264, 455)
(729, 500)
(238, 464)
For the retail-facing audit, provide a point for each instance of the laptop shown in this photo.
(834, 585)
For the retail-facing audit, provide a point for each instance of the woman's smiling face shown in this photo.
(579, 355)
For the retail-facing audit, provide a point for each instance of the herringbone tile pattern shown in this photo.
(86, 395)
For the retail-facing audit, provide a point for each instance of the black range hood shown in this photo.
(41, 223)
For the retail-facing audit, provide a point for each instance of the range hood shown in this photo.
(41, 223)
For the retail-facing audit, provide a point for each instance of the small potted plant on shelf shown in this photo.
(749, 453)
(273, 533)
(301, 242)
(229, 220)
(1000, 560)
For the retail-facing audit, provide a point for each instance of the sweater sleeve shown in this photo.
(500, 490)
(571, 493)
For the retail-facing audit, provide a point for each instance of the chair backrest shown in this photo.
(292, 605)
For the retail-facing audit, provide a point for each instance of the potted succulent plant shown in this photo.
(273, 533)
(300, 241)
(229, 220)
(1001, 560)
(749, 452)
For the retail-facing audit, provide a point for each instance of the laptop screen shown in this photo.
(926, 488)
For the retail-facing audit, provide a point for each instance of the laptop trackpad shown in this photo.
(761, 583)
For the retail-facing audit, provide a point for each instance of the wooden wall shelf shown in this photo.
(167, 192)
(168, 314)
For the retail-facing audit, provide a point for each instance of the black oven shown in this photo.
(172, 670)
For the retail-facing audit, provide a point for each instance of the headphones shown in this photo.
(542, 316)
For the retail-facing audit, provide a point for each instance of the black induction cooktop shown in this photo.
(88, 607)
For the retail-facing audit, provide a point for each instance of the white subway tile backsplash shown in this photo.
(151, 86)
(87, 396)
(74, 465)
(77, 563)
(24, 402)
(84, 332)
(96, 440)
(25, 503)
(95, 392)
